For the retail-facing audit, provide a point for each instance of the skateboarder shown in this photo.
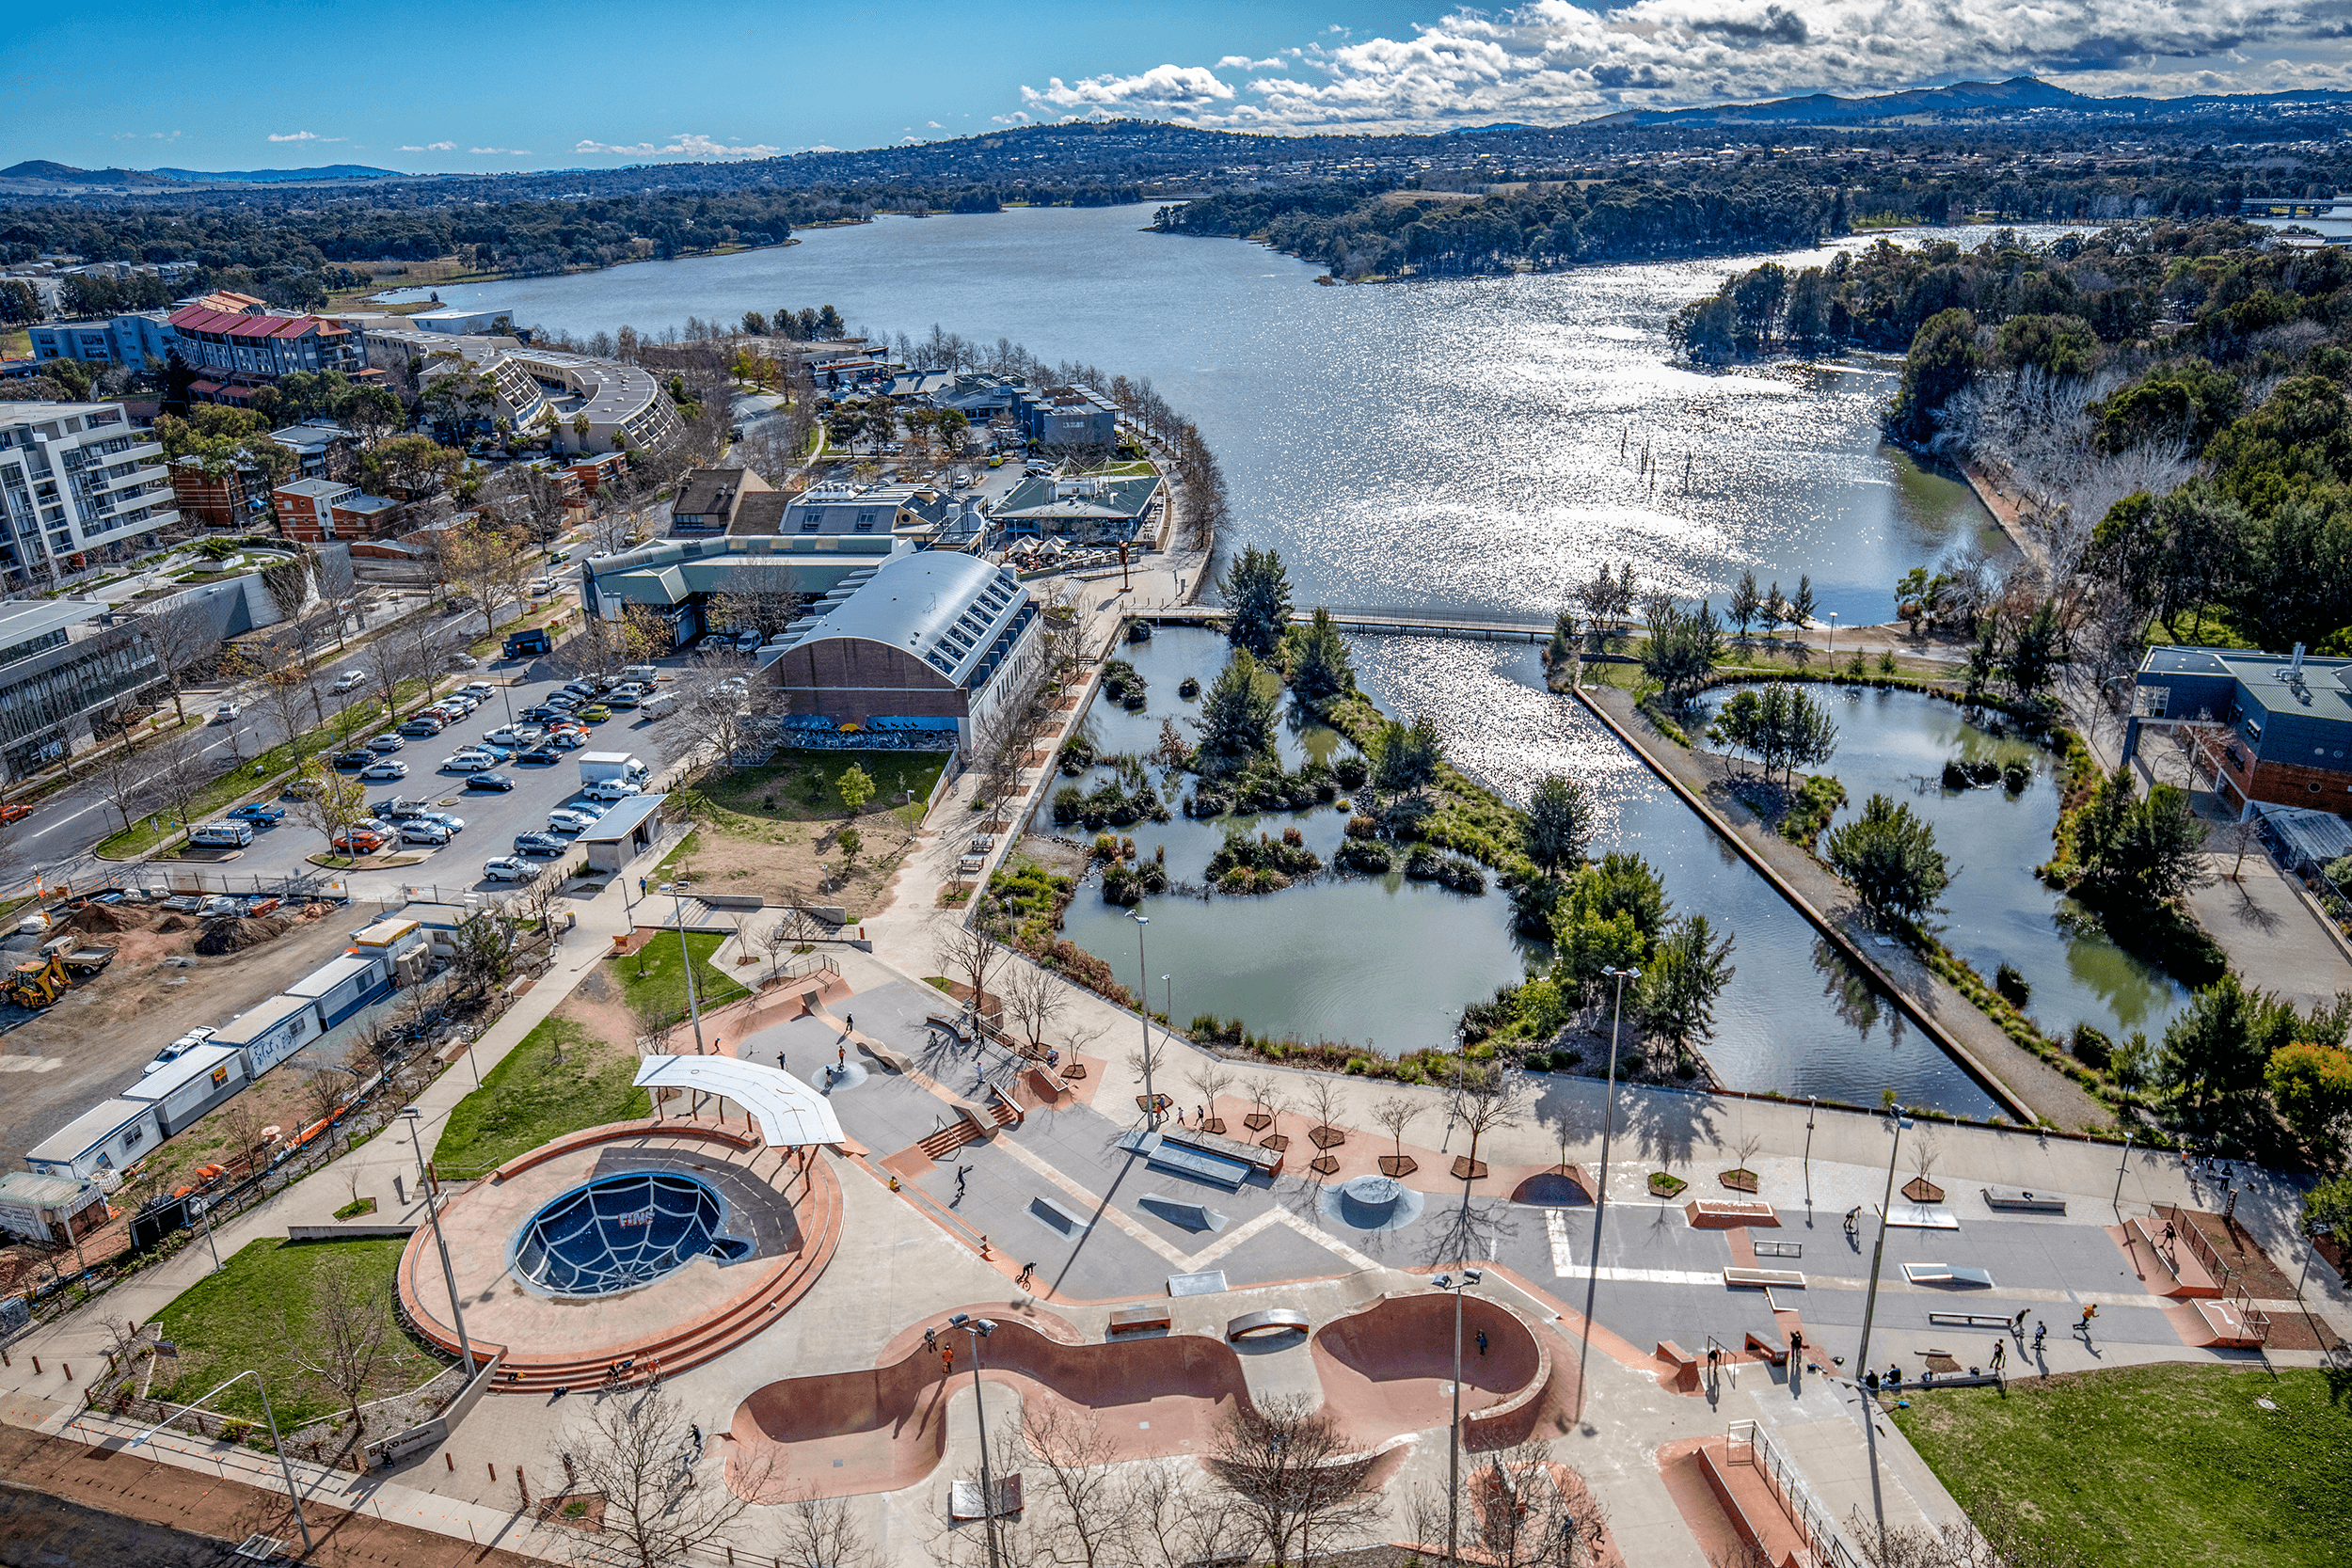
(2018, 1327)
(1482, 1341)
(2090, 1310)
(2000, 1355)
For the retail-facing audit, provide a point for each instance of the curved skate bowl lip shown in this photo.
(891, 1417)
(1425, 1319)
(563, 1345)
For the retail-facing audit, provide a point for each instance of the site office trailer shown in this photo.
(107, 1137)
(49, 1209)
(269, 1033)
(342, 988)
(183, 1090)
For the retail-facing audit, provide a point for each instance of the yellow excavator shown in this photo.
(39, 984)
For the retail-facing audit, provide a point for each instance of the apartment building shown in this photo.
(234, 351)
(77, 479)
(320, 511)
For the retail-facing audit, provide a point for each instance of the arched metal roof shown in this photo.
(788, 1111)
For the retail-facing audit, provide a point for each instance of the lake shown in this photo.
(1475, 446)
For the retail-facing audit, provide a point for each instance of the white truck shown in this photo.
(597, 767)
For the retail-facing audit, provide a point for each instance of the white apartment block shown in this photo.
(77, 479)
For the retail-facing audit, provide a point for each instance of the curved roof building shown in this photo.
(930, 640)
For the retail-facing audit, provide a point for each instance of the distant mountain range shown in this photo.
(2019, 98)
(41, 170)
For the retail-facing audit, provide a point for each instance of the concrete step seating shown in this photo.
(701, 1339)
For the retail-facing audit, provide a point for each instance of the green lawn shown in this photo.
(256, 1313)
(802, 786)
(662, 981)
(533, 1097)
(2148, 1465)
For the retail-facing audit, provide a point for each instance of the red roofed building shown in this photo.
(234, 350)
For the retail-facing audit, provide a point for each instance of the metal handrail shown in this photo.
(1796, 1498)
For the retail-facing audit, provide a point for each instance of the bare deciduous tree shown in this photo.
(179, 632)
(820, 1532)
(1299, 1485)
(1034, 1000)
(1395, 1113)
(1209, 1078)
(1517, 1509)
(178, 769)
(971, 955)
(348, 1342)
(1486, 1096)
(639, 1452)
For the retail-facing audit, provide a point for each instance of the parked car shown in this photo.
(539, 756)
(573, 819)
(398, 810)
(490, 780)
(495, 753)
(387, 743)
(564, 702)
(482, 689)
(539, 844)
(387, 768)
(623, 697)
(454, 824)
(423, 728)
(222, 835)
(464, 762)
(462, 662)
(582, 687)
(748, 641)
(227, 713)
(358, 841)
(257, 811)
(505, 735)
(596, 713)
(422, 831)
(508, 868)
(607, 789)
(358, 757)
(349, 679)
(540, 714)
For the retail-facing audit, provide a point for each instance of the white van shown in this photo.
(223, 835)
(659, 707)
(643, 674)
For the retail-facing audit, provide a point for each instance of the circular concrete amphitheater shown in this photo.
(661, 1243)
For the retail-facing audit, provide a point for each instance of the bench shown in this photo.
(1776, 1354)
(2019, 1199)
(1268, 1162)
(1134, 1320)
(1786, 1278)
(1214, 1169)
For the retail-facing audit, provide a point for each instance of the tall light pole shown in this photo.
(686, 959)
(1832, 634)
(284, 1469)
(1143, 1005)
(1453, 1434)
(433, 1212)
(1870, 1302)
(979, 1329)
(1608, 1125)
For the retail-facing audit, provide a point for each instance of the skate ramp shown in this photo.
(1388, 1368)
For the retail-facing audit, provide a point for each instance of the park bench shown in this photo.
(1272, 1320)
(1764, 1279)
(1134, 1320)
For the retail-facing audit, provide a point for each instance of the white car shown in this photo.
(423, 830)
(465, 762)
(509, 868)
(388, 769)
(573, 819)
(454, 824)
(349, 679)
(479, 688)
(510, 735)
(611, 789)
(463, 661)
(228, 713)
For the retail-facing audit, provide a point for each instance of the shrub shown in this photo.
(1069, 805)
(1363, 858)
(1362, 827)
(1351, 771)
(2012, 986)
(2091, 1047)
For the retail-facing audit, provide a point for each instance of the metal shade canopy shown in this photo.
(789, 1112)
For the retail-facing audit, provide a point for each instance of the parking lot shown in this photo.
(491, 819)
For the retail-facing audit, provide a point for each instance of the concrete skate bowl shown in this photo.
(842, 1433)
(1388, 1368)
(659, 1244)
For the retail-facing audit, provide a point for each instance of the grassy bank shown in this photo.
(2235, 1469)
(559, 1079)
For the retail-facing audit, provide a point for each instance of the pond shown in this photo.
(1391, 963)
(1997, 910)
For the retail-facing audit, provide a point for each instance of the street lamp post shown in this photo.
(1143, 1005)
(433, 1212)
(1608, 1125)
(284, 1469)
(1453, 1434)
(979, 1329)
(686, 963)
(1832, 634)
(1877, 1253)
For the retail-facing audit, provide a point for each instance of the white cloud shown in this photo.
(934, 125)
(500, 152)
(303, 136)
(1019, 117)
(431, 147)
(1550, 61)
(683, 144)
(1164, 89)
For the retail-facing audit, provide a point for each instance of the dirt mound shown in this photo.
(106, 917)
(316, 912)
(236, 935)
(177, 922)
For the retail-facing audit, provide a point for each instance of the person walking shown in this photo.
(2000, 1355)
(2018, 1327)
(2040, 1332)
(1482, 1341)
(1853, 1220)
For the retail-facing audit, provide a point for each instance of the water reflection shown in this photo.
(1997, 910)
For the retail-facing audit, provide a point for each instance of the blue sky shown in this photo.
(434, 85)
